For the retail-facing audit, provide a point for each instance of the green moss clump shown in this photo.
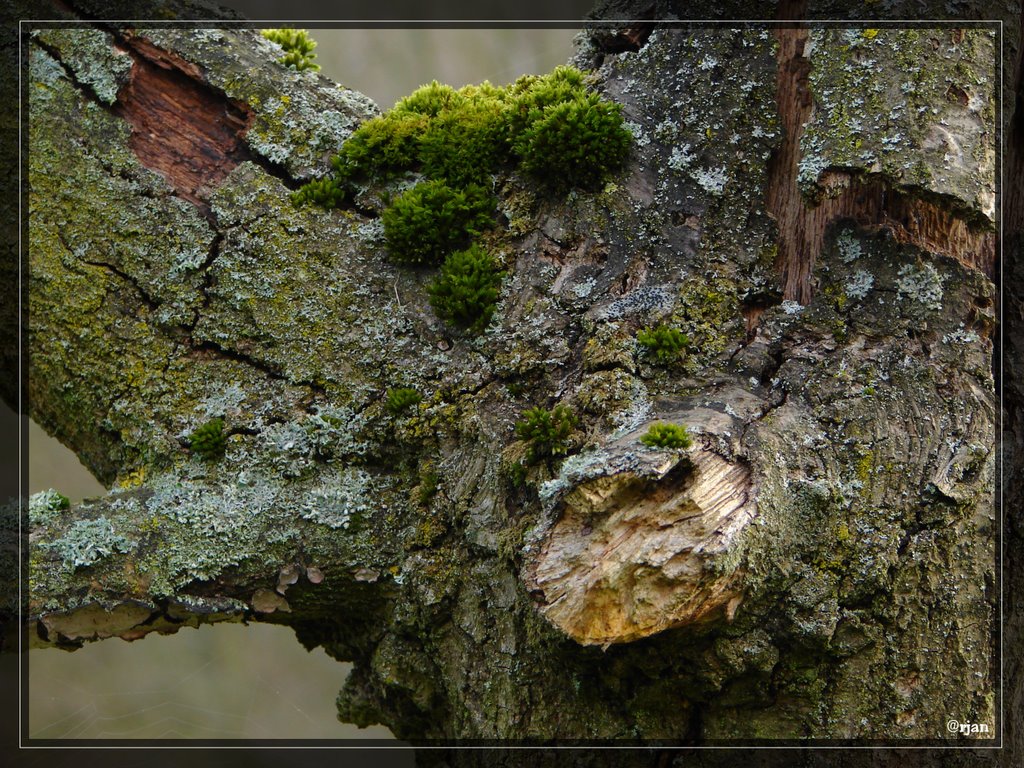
(381, 146)
(327, 193)
(663, 343)
(465, 145)
(663, 435)
(547, 432)
(562, 135)
(530, 95)
(401, 399)
(516, 474)
(467, 291)
(431, 220)
(574, 143)
(549, 126)
(298, 48)
(208, 441)
(430, 100)
(429, 483)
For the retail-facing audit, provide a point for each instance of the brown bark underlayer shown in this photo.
(181, 128)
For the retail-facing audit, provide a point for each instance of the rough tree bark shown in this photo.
(815, 207)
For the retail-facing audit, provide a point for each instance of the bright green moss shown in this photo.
(401, 399)
(431, 220)
(548, 126)
(663, 343)
(547, 432)
(465, 145)
(382, 146)
(327, 193)
(466, 292)
(430, 100)
(208, 441)
(531, 95)
(298, 47)
(574, 143)
(664, 435)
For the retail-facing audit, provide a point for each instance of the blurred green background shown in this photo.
(233, 681)
(389, 64)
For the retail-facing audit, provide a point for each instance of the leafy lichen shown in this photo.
(91, 55)
(44, 505)
(87, 541)
(920, 284)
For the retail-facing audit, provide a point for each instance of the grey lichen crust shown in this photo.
(92, 57)
(860, 426)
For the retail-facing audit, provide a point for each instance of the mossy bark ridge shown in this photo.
(818, 563)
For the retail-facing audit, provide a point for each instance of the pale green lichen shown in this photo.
(921, 284)
(87, 541)
(341, 499)
(859, 285)
(43, 506)
(849, 246)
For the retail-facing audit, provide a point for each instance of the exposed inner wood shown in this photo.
(872, 203)
(631, 557)
(783, 198)
(181, 128)
(869, 201)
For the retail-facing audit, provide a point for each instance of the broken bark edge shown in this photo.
(130, 620)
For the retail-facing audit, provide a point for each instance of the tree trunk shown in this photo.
(814, 207)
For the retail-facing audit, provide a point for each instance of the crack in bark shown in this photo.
(69, 73)
(213, 347)
(212, 255)
(148, 300)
